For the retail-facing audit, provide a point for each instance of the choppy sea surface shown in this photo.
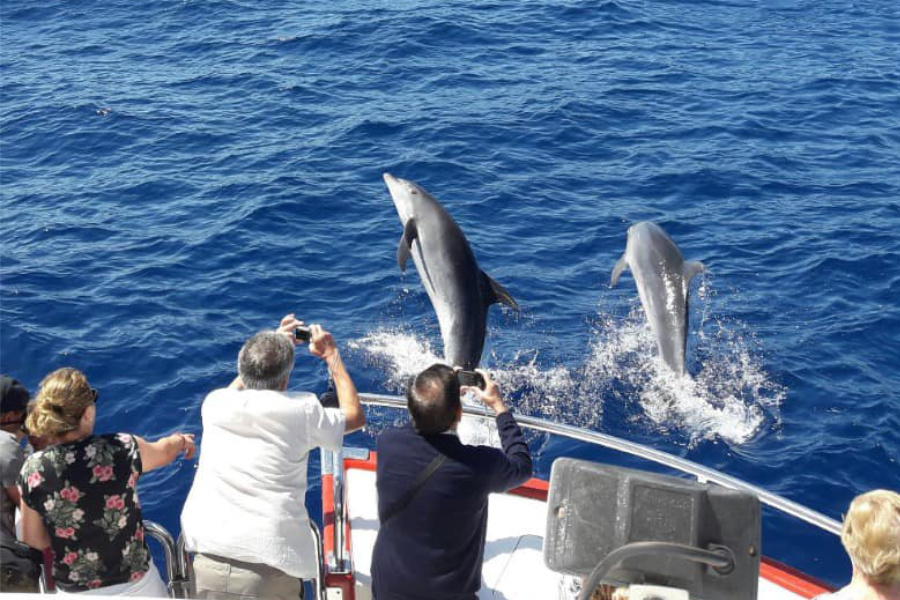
(176, 175)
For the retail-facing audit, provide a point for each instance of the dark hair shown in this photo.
(265, 361)
(433, 399)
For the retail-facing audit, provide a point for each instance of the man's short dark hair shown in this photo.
(13, 395)
(265, 361)
(433, 399)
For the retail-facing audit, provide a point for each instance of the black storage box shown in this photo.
(593, 509)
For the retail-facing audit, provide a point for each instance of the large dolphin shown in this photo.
(663, 281)
(460, 292)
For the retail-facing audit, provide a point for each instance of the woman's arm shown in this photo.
(33, 531)
(165, 450)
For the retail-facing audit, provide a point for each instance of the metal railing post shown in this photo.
(174, 566)
(185, 567)
(320, 563)
(339, 524)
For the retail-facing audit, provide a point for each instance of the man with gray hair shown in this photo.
(245, 516)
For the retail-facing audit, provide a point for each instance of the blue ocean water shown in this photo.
(177, 175)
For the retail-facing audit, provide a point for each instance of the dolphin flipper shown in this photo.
(493, 292)
(691, 268)
(409, 234)
(617, 270)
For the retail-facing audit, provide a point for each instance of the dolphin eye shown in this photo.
(412, 189)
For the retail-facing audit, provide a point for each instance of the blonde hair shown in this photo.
(871, 536)
(60, 402)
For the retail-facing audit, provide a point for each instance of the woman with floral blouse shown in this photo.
(79, 495)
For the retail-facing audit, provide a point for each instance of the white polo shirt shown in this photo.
(247, 500)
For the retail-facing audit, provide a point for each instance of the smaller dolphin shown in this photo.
(459, 290)
(663, 280)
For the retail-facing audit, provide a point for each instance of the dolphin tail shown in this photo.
(617, 270)
(493, 292)
(410, 232)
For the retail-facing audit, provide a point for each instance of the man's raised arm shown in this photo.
(515, 467)
(322, 345)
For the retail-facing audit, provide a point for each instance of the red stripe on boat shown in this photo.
(791, 579)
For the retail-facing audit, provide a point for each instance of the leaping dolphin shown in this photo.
(663, 281)
(460, 292)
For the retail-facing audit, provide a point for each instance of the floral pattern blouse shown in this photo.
(86, 494)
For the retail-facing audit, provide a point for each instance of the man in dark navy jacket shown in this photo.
(433, 510)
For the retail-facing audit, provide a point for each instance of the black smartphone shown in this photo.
(303, 334)
(471, 379)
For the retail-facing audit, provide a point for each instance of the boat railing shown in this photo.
(702, 473)
(183, 564)
(177, 563)
(337, 558)
(178, 566)
(319, 584)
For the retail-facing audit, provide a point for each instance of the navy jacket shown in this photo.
(433, 548)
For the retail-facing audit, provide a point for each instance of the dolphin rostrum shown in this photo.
(460, 292)
(663, 280)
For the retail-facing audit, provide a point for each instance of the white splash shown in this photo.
(404, 356)
(401, 353)
(730, 397)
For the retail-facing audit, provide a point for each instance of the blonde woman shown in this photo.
(79, 495)
(871, 536)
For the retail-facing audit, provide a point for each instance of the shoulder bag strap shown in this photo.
(424, 476)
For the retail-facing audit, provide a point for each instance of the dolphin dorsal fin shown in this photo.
(621, 264)
(493, 292)
(691, 268)
(410, 232)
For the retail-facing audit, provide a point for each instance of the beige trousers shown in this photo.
(218, 578)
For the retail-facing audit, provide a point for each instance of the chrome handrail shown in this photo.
(159, 533)
(338, 499)
(43, 585)
(174, 573)
(319, 587)
(184, 565)
(703, 474)
(337, 560)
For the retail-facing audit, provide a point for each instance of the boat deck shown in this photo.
(513, 560)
